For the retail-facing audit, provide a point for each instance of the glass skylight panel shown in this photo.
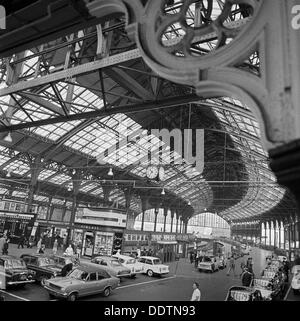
(20, 194)
(88, 187)
(3, 190)
(45, 173)
(98, 192)
(56, 131)
(59, 179)
(41, 198)
(4, 159)
(17, 167)
(57, 201)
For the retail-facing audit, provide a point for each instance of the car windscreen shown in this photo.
(115, 263)
(14, 264)
(44, 261)
(206, 259)
(78, 274)
(130, 261)
(156, 261)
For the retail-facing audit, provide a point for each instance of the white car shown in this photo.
(296, 279)
(131, 263)
(153, 266)
(209, 263)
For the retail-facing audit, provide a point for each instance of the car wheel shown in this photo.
(72, 297)
(132, 276)
(51, 296)
(106, 292)
(43, 279)
(150, 273)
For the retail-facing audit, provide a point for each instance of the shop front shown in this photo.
(15, 224)
(93, 240)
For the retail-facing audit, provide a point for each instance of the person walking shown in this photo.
(5, 247)
(39, 245)
(21, 241)
(286, 269)
(243, 265)
(196, 296)
(249, 264)
(231, 266)
(69, 251)
(246, 277)
(55, 245)
(2, 242)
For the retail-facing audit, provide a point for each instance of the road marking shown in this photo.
(18, 297)
(131, 285)
(287, 293)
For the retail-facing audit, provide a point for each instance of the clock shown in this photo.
(152, 171)
(161, 173)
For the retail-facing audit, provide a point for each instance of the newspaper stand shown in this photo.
(239, 293)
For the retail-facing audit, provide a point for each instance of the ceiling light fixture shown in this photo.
(163, 191)
(8, 138)
(189, 203)
(8, 173)
(110, 172)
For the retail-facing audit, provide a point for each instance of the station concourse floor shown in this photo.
(176, 286)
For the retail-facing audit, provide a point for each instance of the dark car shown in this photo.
(15, 271)
(63, 262)
(44, 266)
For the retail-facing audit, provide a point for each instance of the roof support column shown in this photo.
(144, 200)
(76, 181)
(172, 218)
(155, 218)
(177, 217)
(35, 169)
(165, 217)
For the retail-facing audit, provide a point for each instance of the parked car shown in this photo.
(153, 266)
(15, 271)
(209, 263)
(130, 263)
(44, 266)
(295, 284)
(86, 279)
(112, 265)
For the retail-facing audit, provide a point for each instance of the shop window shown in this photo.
(18, 207)
(7, 206)
(129, 237)
(12, 206)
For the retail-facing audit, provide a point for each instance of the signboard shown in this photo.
(101, 217)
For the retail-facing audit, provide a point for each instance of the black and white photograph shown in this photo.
(150, 153)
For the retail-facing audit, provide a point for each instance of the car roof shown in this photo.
(149, 257)
(105, 257)
(91, 267)
(123, 256)
(7, 257)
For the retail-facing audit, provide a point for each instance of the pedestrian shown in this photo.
(67, 268)
(5, 247)
(249, 264)
(39, 245)
(243, 265)
(21, 241)
(69, 251)
(55, 244)
(231, 265)
(246, 277)
(42, 249)
(196, 296)
(286, 269)
(191, 257)
(2, 241)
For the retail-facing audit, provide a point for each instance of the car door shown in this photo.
(141, 261)
(102, 281)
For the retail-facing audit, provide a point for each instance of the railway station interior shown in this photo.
(156, 128)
